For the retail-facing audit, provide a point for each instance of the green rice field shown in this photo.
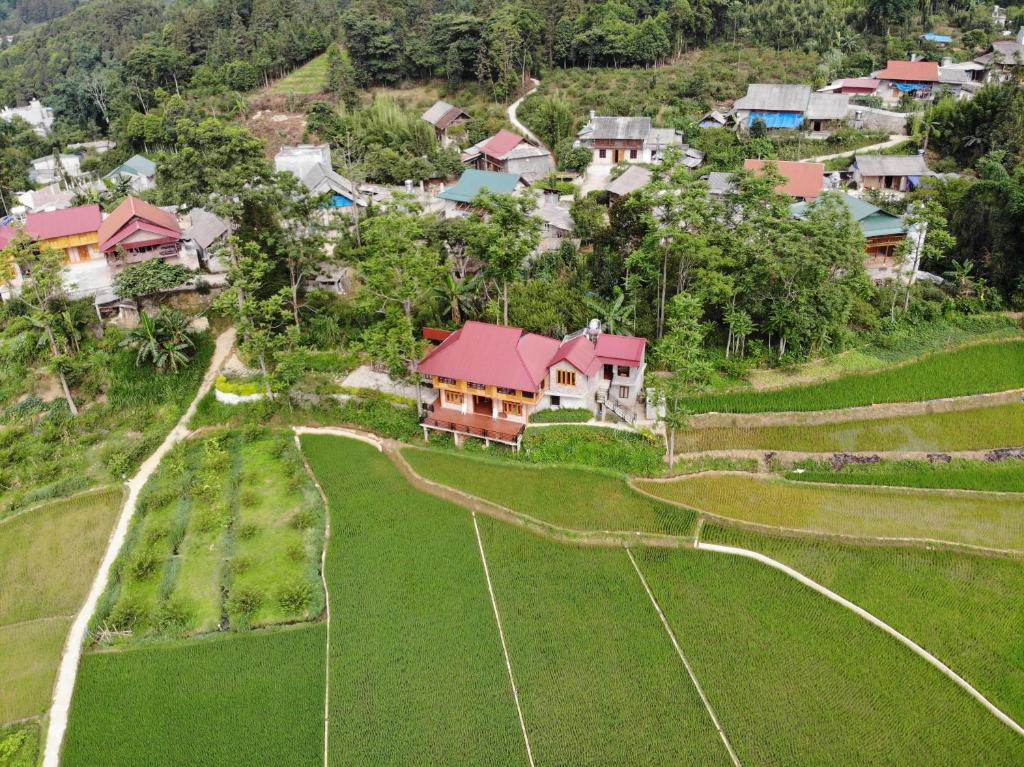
(416, 668)
(977, 429)
(963, 608)
(48, 558)
(797, 679)
(1004, 476)
(228, 533)
(977, 369)
(577, 499)
(977, 519)
(252, 698)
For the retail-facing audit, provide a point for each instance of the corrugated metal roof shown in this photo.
(437, 111)
(625, 349)
(828, 106)
(873, 221)
(775, 97)
(910, 71)
(636, 128)
(64, 223)
(205, 227)
(500, 144)
(891, 165)
(802, 179)
(473, 181)
(132, 208)
(635, 177)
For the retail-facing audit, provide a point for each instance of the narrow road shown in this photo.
(513, 118)
(893, 140)
(66, 675)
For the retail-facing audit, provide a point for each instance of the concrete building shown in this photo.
(35, 114)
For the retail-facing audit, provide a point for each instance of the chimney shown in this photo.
(1020, 36)
(593, 114)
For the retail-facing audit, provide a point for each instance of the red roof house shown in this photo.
(50, 225)
(910, 72)
(857, 86)
(803, 180)
(490, 378)
(141, 230)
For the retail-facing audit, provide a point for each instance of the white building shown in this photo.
(35, 114)
(630, 139)
(51, 168)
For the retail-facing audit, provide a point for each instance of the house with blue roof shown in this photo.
(790, 107)
(459, 198)
(138, 170)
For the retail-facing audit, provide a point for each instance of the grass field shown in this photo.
(563, 415)
(308, 79)
(253, 698)
(960, 474)
(797, 679)
(416, 666)
(577, 499)
(975, 369)
(964, 608)
(229, 533)
(598, 678)
(977, 429)
(978, 519)
(48, 557)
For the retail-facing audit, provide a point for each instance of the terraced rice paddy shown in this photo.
(977, 429)
(977, 519)
(416, 666)
(48, 557)
(570, 498)
(963, 608)
(797, 679)
(1003, 476)
(974, 369)
(228, 533)
(237, 699)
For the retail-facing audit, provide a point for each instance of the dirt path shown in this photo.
(66, 675)
(892, 141)
(513, 113)
(870, 618)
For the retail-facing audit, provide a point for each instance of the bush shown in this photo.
(566, 415)
(144, 565)
(128, 614)
(302, 520)
(243, 388)
(245, 602)
(295, 597)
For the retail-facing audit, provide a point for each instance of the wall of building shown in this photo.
(880, 120)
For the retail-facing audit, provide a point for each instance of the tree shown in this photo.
(341, 76)
(682, 354)
(504, 237)
(164, 339)
(42, 291)
(153, 276)
(616, 315)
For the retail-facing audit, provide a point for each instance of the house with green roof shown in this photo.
(459, 198)
(138, 170)
(883, 232)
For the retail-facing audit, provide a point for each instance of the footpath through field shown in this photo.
(65, 685)
(513, 113)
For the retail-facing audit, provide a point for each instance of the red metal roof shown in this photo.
(805, 180)
(501, 143)
(435, 334)
(158, 235)
(134, 208)
(579, 352)
(7, 233)
(910, 71)
(620, 349)
(859, 85)
(64, 223)
(492, 354)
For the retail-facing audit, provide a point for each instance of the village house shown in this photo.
(1003, 59)
(853, 86)
(35, 114)
(139, 171)
(489, 379)
(52, 197)
(311, 164)
(51, 168)
(803, 181)
(790, 107)
(136, 231)
(715, 119)
(899, 78)
(892, 173)
(558, 222)
(459, 198)
(204, 233)
(633, 178)
(443, 116)
(508, 152)
(883, 232)
(632, 140)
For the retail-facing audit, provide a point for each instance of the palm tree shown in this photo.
(163, 339)
(459, 296)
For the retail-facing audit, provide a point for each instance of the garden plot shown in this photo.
(416, 669)
(981, 428)
(48, 557)
(236, 699)
(797, 679)
(963, 608)
(978, 519)
(228, 535)
(577, 499)
(977, 369)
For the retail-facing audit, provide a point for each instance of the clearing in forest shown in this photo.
(978, 519)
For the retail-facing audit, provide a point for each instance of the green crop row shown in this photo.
(960, 474)
(975, 369)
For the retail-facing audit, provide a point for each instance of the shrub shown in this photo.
(245, 601)
(173, 616)
(246, 530)
(242, 388)
(143, 565)
(295, 597)
(129, 613)
(302, 520)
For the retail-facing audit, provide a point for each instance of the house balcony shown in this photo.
(461, 425)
